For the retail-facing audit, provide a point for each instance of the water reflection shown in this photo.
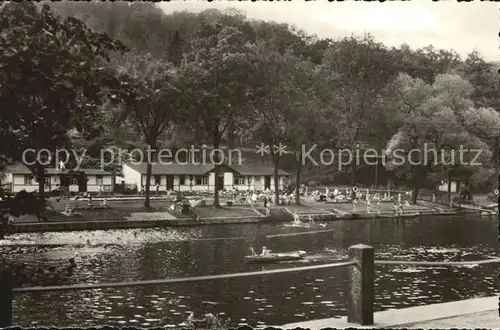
(124, 255)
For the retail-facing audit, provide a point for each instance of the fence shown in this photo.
(360, 292)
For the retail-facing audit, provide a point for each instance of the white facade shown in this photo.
(179, 182)
(19, 182)
(231, 181)
(94, 181)
(257, 182)
(444, 186)
(131, 176)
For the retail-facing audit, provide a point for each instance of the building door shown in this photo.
(82, 183)
(170, 182)
(220, 183)
(267, 182)
(65, 181)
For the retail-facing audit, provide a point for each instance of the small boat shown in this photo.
(276, 257)
(298, 225)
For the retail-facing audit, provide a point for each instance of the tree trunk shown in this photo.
(353, 173)
(297, 180)
(149, 168)
(40, 173)
(231, 136)
(466, 184)
(496, 152)
(215, 140)
(414, 193)
(449, 186)
(417, 182)
(276, 185)
(376, 165)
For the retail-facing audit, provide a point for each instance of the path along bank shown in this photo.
(466, 314)
(166, 219)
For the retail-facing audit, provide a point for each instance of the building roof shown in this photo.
(255, 169)
(202, 169)
(173, 168)
(19, 168)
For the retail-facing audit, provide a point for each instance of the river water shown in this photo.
(126, 255)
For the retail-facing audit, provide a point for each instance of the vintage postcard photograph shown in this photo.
(249, 164)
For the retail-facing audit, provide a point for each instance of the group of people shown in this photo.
(142, 189)
(265, 252)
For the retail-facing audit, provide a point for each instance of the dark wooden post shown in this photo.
(360, 294)
(5, 298)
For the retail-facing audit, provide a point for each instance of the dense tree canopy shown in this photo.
(227, 78)
(53, 78)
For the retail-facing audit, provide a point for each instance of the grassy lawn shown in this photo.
(231, 211)
(96, 214)
(384, 207)
(114, 210)
(301, 208)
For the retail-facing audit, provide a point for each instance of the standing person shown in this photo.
(254, 198)
(353, 194)
(400, 209)
(268, 210)
(142, 191)
(100, 190)
(90, 201)
(157, 189)
(265, 202)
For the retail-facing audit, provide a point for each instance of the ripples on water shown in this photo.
(126, 255)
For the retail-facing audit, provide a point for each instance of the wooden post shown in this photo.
(5, 298)
(360, 294)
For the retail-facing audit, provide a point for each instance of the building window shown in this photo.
(157, 180)
(239, 180)
(28, 179)
(74, 181)
(98, 180)
(257, 179)
(198, 180)
(204, 180)
(182, 179)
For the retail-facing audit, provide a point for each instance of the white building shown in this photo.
(192, 177)
(257, 177)
(18, 177)
(455, 185)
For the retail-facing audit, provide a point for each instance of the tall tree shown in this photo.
(215, 74)
(52, 77)
(360, 69)
(430, 121)
(153, 99)
(484, 78)
(288, 112)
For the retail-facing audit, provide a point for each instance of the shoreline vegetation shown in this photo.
(148, 80)
(129, 213)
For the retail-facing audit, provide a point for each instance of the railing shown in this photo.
(360, 293)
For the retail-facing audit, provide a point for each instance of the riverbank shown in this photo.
(131, 214)
(472, 313)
